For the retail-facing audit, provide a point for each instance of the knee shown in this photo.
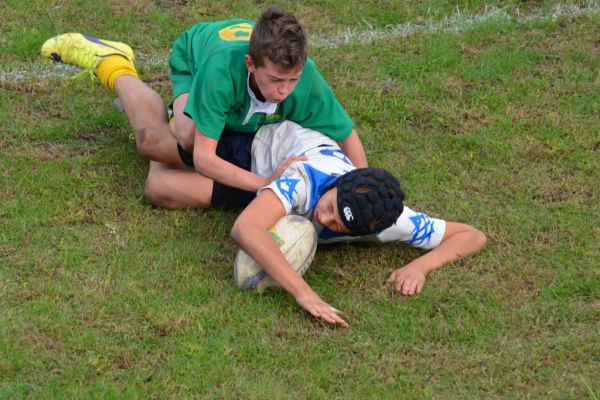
(145, 141)
(158, 194)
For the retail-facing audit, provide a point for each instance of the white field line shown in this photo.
(458, 22)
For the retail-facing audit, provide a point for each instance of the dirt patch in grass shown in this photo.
(37, 101)
(314, 21)
(92, 133)
(164, 326)
(530, 288)
(433, 118)
(188, 10)
(558, 194)
(568, 38)
(53, 151)
(594, 305)
(159, 81)
(137, 7)
(40, 341)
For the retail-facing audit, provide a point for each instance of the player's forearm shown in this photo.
(258, 244)
(352, 147)
(460, 244)
(226, 173)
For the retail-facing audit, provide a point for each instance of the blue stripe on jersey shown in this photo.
(423, 229)
(319, 183)
(287, 187)
(337, 153)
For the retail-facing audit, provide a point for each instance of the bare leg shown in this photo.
(185, 129)
(169, 184)
(147, 115)
(176, 187)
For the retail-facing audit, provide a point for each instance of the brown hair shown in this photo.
(279, 37)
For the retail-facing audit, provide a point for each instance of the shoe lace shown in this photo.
(88, 72)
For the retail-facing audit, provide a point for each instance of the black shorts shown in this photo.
(236, 148)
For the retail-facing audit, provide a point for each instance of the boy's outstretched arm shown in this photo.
(460, 240)
(251, 233)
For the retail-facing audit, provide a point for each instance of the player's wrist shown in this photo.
(259, 182)
(303, 293)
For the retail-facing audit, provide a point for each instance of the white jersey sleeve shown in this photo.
(291, 189)
(415, 229)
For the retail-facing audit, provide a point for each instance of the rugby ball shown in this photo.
(297, 239)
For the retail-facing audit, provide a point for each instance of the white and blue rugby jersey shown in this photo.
(303, 182)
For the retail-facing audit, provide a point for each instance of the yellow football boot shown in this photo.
(83, 51)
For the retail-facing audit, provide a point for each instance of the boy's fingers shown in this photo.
(331, 316)
(339, 321)
(413, 289)
(295, 158)
(344, 323)
(408, 288)
(419, 287)
(399, 286)
(403, 288)
(390, 278)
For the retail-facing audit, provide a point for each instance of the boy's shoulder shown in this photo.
(230, 30)
(206, 39)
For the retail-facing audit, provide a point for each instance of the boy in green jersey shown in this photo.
(229, 78)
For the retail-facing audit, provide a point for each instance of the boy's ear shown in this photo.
(250, 64)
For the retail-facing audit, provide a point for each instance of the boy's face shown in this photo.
(326, 212)
(274, 82)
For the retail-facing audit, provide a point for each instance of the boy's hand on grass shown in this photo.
(282, 167)
(312, 303)
(407, 280)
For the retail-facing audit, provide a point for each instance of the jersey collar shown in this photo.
(257, 106)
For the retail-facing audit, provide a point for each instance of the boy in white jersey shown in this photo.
(345, 204)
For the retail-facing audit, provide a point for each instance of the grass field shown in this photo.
(488, 112)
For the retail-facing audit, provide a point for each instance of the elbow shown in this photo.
(236, 231)
(479, 239)
(201, 163)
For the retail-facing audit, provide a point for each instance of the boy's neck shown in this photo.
(255, 90)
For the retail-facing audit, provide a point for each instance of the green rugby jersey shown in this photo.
(208, 62)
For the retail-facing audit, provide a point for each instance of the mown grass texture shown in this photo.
(106, 296)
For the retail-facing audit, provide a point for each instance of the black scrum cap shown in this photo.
(369, 200)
